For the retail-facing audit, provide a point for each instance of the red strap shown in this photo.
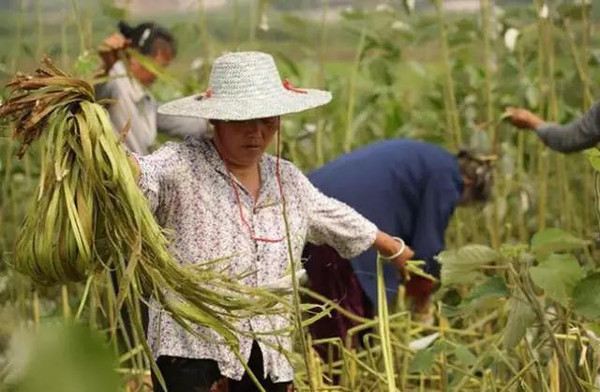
(288, 86)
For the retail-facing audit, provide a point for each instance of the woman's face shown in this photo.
(242, 143)
(161, 59)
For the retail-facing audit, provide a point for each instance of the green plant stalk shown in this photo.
(518, 376)
(296, 297)
(80, 27)
(84, 297)
(89, 42)
(384, 328)
(236, 25)
(40, 29)
(454, 140)
(563, 181)
(542, 154)
(36, 310)
(490, 119)
(320, 131)
(253, 20)
(569, 374)
(66, 306)
(452, 119)
(18, 39)
(64, 50)
(349, 134)
(204, 38)
(581, 58)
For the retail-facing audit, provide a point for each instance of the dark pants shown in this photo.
(199, 375)
(333, 277)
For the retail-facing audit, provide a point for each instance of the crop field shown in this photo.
(518, 305)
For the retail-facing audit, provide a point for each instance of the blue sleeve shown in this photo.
(575, 136)
(438, 202)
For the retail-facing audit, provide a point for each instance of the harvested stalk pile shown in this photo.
(90, 215)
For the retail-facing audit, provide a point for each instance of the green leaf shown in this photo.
(586, 297)
(464, 356)
(593, 156)
(520, 317)
(557, 276)
(463, 265)
(493, 287)
(423, 361)
(554, 240)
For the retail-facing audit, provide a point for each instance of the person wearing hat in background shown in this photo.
(135, 111)
(576, 136)
(222, 199)
(407, 188)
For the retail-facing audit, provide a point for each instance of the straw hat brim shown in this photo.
(218, 108)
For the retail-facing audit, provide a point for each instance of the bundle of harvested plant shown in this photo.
(89, 213)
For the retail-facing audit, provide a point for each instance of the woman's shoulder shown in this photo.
(286, 168)
(165, 155)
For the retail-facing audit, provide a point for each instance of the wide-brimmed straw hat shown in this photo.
(244, 86)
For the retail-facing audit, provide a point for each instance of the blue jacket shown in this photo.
(407, 188)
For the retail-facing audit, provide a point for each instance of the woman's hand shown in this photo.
(111, 48)
(400, 262)
(387, 246)
(523, 118)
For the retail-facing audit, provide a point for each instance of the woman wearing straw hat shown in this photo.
(223, 198)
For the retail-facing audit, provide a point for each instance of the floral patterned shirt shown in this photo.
(191, 193)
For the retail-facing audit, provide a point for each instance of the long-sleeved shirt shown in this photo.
(192, 195)
(135, 104)
(578, 135)
(407, 188)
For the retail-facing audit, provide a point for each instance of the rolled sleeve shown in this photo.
(334, 223)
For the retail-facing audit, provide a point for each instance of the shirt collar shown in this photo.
(266, 166)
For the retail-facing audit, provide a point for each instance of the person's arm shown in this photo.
(336, 224)
(149, 171)
(388, 246)
(112, 49)
(578, 135)
(180, 126)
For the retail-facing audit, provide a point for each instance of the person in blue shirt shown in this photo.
(409, 189)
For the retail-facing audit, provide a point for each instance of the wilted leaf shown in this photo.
(493, 287)
(520, 317)
(586, 297)
(557, 276)
(554, 240)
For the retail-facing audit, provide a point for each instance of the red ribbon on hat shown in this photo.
(288, 86)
